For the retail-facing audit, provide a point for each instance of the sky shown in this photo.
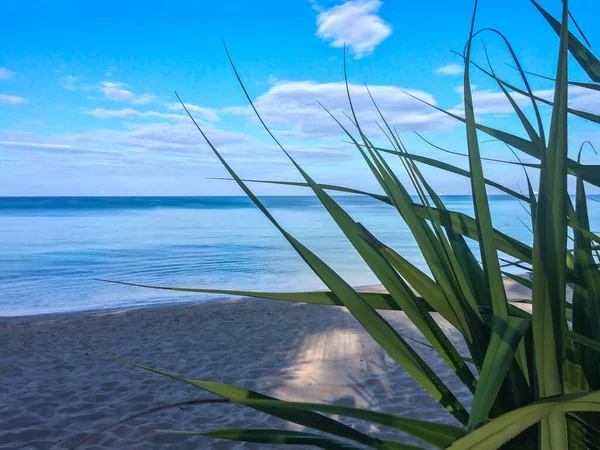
(88, 105)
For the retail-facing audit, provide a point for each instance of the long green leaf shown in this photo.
(506, 427)
(586, 296)
(584, 340)
(437, 434)
(592, 86)
(506, 336)
(590, 173)
(586, 59)
(281, 437)
(236, 394)
(424, 237)
(416, 278)
(461, 265)
(466, 155)
(467, 226)
(483, 218)
(375, 299)
(453, 169)
(549, 256)
(550, 241)
(534, 137)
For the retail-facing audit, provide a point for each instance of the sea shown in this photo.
(53, 250)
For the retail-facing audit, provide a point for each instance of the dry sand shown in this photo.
(54, 392)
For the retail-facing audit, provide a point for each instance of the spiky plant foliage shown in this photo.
(535, 377)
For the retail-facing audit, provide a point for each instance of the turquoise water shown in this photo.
(53, 248)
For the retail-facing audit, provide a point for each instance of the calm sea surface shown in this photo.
(51, 249)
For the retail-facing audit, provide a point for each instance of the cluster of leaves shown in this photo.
(534, 377)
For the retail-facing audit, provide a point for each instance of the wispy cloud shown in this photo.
(117, 92)
(6, 74)
(45, 147)
(129, 113)
(236, 110)
(450, 69)
(181, 138)
(270, 81)
(460, 89)
(71, 82)
(495, 102)
(582, 99)
(11, 99)
(208, 114)
(152, 143)
(355, 23)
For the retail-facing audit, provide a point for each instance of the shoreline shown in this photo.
(513, 289)
(224, 298)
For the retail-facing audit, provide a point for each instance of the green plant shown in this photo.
(537, 375)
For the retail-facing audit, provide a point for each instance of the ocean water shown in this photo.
(53, 249)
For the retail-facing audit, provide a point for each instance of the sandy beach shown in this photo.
(54, 392)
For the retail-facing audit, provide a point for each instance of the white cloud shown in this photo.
(461, 89)
(329, 153)
(128, 113)
(584, 99)
(180, 138)
(354, 23)
(71, 82)
(148, 144)
(6, 74)
(116, 92)
(154, 139)
(292, 110)
(450, 69)
(44, 146)
(208, 114)
(270, 81)
(19, 141)
(11, 99)
(495, 102)
(143, 99)
(236, 110)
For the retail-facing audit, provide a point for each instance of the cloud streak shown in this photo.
(116, 92)
(209, 114)
(6, 74)
(70, 83)
(151, 144)
(12, 99)
(450, 69)
(129, 113)
(495, 102)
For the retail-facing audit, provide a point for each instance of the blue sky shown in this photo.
(87, 104)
